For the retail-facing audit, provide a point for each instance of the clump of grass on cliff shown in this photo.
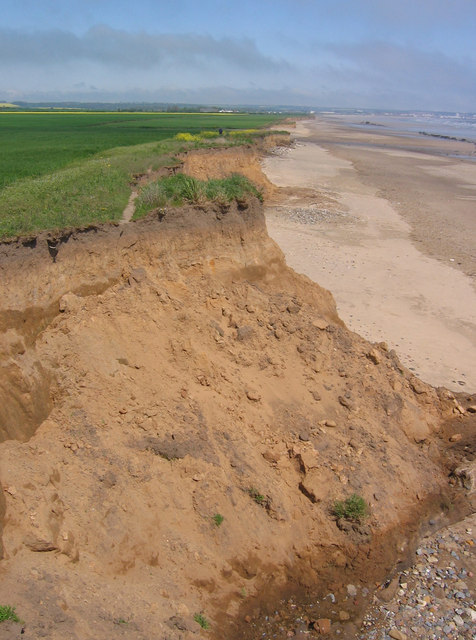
(181, 189)
(8, 613)
(202, 621)
(231, 136)
(353, 508)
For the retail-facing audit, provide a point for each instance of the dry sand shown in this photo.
(387, 224)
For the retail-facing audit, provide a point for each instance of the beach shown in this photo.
(385, 220)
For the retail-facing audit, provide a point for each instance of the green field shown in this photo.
(71, 169)
(34, 144)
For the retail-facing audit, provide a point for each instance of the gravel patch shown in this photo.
(311, 215)
(432, 600)
(436, 597)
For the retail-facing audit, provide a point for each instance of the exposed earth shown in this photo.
(179, 413)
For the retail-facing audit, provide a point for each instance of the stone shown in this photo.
(320, 324)
(253, 395)
(293, 308)
(324, 625)
(344, 616)
(387, 594)
(351, 590)
(271, 456)
(38, 545)
(397, 635)
(418, 386)
(330, 423)
(456, 437)
(374, 356)
(471, 408)
(315, 486)
(316, 395)
(347, 403)
(472, 614)
(308, 460)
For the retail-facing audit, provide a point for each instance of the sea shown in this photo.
(455, 125)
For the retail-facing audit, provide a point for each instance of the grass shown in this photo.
(90, 191)
(218, 519)
(36, 144)
(180, 189)
(202, 621)
(66, 170)
(8, 613)
(353, 508)
(256, 495)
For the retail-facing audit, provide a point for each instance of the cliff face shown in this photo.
(157, 375)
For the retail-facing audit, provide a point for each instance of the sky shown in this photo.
(375, 54)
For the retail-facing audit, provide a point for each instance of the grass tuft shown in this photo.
(202, 621)
(180, 189)
(8, 613)
(256, 495)
(218, 519)
(353, 508)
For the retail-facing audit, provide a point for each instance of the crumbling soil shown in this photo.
(156, 374)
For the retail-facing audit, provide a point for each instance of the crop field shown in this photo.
(37, 143)
(68, 169)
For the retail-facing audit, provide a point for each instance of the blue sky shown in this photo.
(401, 54)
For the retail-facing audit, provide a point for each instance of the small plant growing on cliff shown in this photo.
(8, 613)
(256, 495)
(352, 508)
(202, 621)
(218, 519)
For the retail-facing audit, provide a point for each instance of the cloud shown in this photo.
(407, 75)
(187, 67)
(113, 47)
(209, 95)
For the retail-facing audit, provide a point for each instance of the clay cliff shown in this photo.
(162, 373)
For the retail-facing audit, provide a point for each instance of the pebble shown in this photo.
(436, 598)
(351, 590)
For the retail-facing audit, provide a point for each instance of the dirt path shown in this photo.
(130, 208)
(347, 237)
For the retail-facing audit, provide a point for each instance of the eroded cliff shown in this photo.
(158, 374)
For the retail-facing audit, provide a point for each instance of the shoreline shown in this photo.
(394, 277)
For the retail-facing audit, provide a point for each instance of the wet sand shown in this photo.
(386, 222)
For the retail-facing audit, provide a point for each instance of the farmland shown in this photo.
(34, 144)
(70, 169)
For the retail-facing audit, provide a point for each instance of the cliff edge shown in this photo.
(179, 413)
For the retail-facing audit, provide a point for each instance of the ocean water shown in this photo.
(439, 123)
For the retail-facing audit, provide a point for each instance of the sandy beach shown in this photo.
(386, 222)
